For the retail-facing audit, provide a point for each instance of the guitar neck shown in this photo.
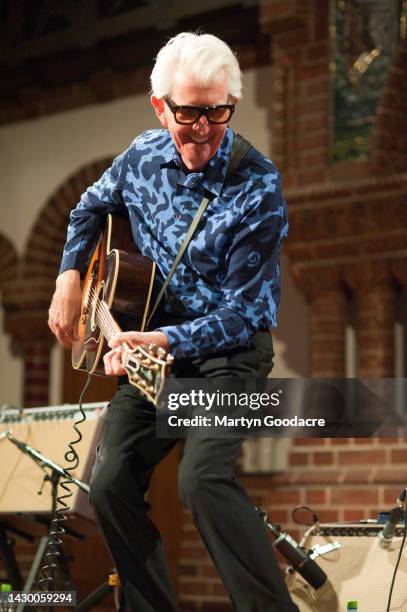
(106, 322)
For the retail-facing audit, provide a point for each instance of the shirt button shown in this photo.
(177, 216)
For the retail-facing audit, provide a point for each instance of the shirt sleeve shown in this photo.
(88, 218)
(250, 291)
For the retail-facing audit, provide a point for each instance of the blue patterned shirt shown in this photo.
(228, 281)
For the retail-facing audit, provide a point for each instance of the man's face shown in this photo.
(198, 142)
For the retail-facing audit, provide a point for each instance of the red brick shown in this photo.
(399, 455)
(312, 141)
(353, 515)
(324, 458)
(357, 476)
(284, 497)
(389, 440)
(257, 482)
(309, 72)
(186, 570)
(210, 571)
(308, 441)
(314, 160)
(293, 39)
(317, 496)
(310, 178)
(319, 477)
(218, 589)
(390, 475)
(278, 516)
(193, 553)
(299, 458)
(191, 536)
(285, 478)
(321, 17)
(313, 87)
(361, 457)
(391, 495)
(317, 51)
(355, 497)
(194, 588)
(328, 516)
(309, 121)
(275, 11)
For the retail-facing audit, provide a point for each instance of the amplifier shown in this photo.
(356, 567)
(48, 430)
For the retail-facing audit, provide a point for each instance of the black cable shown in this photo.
(397, 563)
(315, 518)
(56, 530)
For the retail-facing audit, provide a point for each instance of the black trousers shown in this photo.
(223, 513)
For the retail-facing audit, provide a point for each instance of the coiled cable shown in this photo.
(48, 571)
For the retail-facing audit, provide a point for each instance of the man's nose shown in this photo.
(202, 125)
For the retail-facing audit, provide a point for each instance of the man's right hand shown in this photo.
(65, 307)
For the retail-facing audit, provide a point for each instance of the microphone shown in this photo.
(395, 516)
(25, 448)
(298, 558)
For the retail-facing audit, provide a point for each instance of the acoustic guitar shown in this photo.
(116, 293)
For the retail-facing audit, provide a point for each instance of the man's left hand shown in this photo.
(113, 359)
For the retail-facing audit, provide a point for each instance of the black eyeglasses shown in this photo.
(187, 115)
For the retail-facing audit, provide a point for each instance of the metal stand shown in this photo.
(98, 594)
(9, 558)
(56, 472)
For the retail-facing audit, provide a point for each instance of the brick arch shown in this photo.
(48, 234)
(389, 146)
(9, 273)
(29, 294)
(8, 262)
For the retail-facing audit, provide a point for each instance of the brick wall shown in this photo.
(348, 232)
(343, 479)
(28, 283)
(347, 241)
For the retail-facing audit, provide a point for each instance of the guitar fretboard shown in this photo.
(106, 322)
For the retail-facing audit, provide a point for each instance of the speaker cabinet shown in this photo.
(47, 430)
(358, 570)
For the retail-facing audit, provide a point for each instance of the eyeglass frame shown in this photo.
(202, 110)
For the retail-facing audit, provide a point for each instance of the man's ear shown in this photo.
(158, 104)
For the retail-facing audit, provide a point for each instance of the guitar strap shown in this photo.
(240, 146)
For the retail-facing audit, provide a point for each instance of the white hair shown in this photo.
(200, 56)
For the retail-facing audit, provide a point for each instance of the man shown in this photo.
(221, 299)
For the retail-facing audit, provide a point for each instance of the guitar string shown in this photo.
(104, 316)
(103, 313)
(105, 319)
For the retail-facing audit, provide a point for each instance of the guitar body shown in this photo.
(123, 278)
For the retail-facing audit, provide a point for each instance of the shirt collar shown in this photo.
(212, 176)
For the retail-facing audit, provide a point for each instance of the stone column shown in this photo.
(375, 294)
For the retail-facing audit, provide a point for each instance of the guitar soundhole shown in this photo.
(95, 301)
